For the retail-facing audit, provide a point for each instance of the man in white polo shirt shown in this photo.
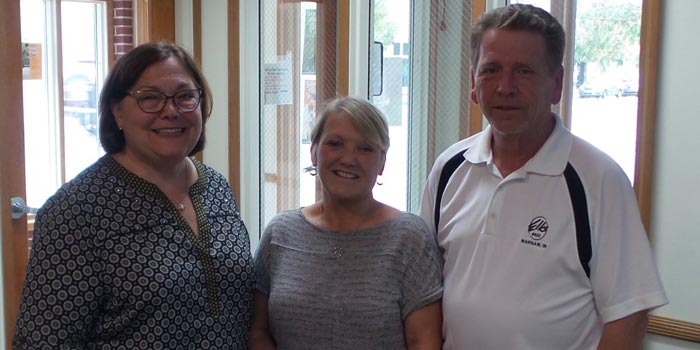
(543, 244)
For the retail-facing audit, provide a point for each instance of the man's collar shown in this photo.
(550, 159)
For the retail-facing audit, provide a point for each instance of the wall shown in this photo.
(215, 67)
(675, 213)
(123, 27)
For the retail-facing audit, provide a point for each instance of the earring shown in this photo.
(311, 169)
(380, 179)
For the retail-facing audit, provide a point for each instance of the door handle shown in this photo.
(20, 208)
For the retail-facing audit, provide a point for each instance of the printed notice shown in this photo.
(278, 81)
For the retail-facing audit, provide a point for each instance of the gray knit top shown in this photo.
(345, 290)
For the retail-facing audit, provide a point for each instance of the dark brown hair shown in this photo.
(127, 71)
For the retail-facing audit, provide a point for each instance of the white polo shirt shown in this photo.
(513, 279)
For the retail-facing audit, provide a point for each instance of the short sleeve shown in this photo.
(422, 280)
(624, 275)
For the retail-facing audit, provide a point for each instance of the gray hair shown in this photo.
(522, 17)
(364, 116)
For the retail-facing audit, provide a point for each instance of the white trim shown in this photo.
(184, 30)
(249, 91)
(418, 108)
(359, 39)
(215, 69)
(492, 4)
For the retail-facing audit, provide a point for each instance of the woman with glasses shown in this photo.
(145, 249)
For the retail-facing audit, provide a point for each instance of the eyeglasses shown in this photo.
(153, 101)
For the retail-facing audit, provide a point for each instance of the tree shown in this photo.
(384, 28)
(308, 65)
(384, 31)
(607, 33)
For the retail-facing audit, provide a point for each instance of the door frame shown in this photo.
(13, 233)
(12, 184)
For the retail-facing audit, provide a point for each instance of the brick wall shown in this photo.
(123, 27)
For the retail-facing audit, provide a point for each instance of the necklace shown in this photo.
(180, 206)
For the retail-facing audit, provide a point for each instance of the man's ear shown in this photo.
(558, 85)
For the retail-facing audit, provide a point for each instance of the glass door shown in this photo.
(413, 68)
(419, 78)
(50, 93)
(298, 45)
(390, 38)
(65, 48)
(85, 66)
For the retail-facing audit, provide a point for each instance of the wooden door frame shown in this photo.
(332, 32)
(234, 97)
(288, 41)
(15, 245)
(161, 20)
(14, 239)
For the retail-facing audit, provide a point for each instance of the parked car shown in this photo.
(80, 100)
(600, 88)
(78, 91)
(630, 87)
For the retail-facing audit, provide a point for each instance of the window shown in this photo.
(390, 26)
(298, 68)
(606, 77)
(424, 92)
(603, 75)
(61, 86)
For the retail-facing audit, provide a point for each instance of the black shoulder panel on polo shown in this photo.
(445, 175)
(583, 227)
(578, 202)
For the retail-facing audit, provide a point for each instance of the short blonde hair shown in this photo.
(364, 116)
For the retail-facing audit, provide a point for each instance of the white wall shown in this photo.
(215, 68)
(676, 210)
(184, 33)
(249, 90)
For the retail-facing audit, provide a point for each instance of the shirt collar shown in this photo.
(551, 159)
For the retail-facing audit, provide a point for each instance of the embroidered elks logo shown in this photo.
(538, 228)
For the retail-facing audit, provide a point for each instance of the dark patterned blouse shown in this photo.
(115, 266)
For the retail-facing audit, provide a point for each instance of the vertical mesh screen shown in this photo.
(418, 75)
